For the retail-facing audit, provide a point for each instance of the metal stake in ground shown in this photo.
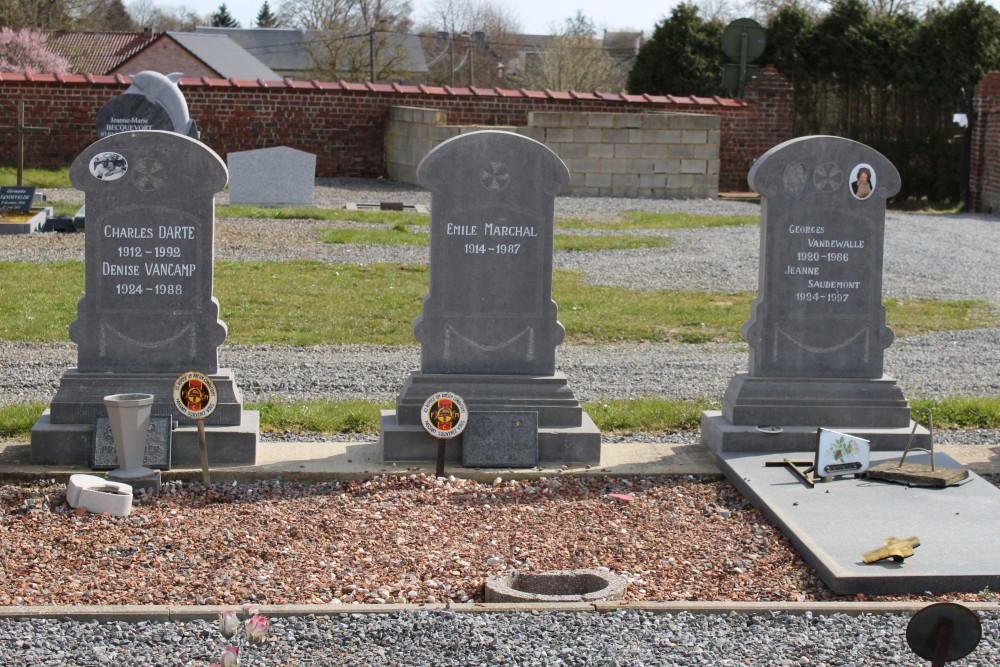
(444, 417)
(22, 129)
(195, 397)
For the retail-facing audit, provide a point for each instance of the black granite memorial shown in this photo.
(488, 329)
(153, 102)
(16, 198)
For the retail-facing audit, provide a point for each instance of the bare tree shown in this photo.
(356, 40)
(478, 40)
(35, 14)
(574, 60)
(147, 15)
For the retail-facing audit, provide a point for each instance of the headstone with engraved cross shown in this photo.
(488, 328)
(148, 313)
(817, 330)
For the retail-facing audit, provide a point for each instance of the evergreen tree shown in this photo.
(223, 19)
(683, 56)
(265, 18)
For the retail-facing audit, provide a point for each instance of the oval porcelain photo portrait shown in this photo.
(108, 166)
(862, 181)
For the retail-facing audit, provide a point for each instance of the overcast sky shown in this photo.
(536, 16)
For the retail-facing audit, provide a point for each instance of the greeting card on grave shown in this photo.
(840, 454)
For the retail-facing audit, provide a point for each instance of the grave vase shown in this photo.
(129, 418)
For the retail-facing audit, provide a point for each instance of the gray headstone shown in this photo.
(500, 440)
(817, 329)
(272, 176)
(819, 310)
(153, 102)
(490, 308)
(148, 305)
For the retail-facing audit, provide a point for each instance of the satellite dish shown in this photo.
(732, 40)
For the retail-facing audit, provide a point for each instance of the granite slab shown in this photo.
(833, 524)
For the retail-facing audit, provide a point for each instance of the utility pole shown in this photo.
(371, 56)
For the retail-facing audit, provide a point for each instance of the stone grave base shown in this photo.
(833, 524)
(565, 432)
(33, 224)
(579, 444)
(80, 397)
(73, 444)
(756, 401)
(719, 436)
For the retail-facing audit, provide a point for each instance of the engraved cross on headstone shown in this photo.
(22, 129)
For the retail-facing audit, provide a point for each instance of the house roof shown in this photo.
(97, 52)
(288, 49)
(281, 49)
(224, 56)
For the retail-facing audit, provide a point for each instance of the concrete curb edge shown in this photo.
(183, 613)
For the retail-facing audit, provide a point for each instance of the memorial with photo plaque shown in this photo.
(148, 310)
(817, 330)
(488, 328)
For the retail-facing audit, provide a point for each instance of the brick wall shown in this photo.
(344, 124)
(165, 55)
(608, 154)
(984, 172)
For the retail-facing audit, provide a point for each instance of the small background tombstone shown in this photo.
(278, 176)
(488, 328)
(148, 313)
(817, 330)
(154, 101)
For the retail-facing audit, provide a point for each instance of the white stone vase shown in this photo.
(129, 418)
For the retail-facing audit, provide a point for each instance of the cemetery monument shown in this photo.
(488, 329)
(817, 337)
(148, 313)
(276, 176)
(817, 329)
(154, 101)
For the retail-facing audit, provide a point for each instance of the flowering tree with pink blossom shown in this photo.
(25, 50)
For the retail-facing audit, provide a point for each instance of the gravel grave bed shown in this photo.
(417, 539)
(410, 539)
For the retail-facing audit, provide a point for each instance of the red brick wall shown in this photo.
(984, 172)
(165, 55)
(344, 124)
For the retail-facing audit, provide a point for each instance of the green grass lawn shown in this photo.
(401, 234)
(39, 178)
(310, 302)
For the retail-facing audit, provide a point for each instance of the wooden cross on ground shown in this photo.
(22, 129)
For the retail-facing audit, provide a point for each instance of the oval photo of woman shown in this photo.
(863, 181)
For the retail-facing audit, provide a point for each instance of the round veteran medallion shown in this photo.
(444, 415)
(195, 396)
